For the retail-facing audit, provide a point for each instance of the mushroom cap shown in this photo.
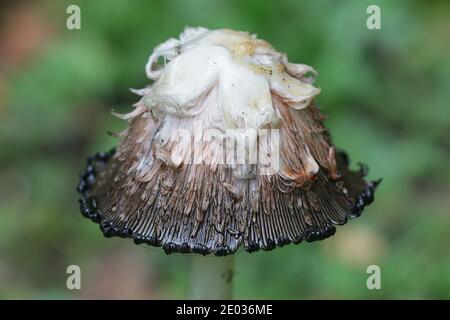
(178, 182)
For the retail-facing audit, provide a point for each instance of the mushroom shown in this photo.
(226, 148)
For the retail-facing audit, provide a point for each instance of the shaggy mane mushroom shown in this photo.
(186, 192)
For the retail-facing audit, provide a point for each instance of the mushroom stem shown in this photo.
(212, 277)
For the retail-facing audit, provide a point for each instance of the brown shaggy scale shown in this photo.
(207, 208)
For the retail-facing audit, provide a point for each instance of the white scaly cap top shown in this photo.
(245, 70)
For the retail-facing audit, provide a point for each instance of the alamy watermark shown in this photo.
(373, 21)
(73, 21)
(73, 281)
(225, 147)
(374, 280)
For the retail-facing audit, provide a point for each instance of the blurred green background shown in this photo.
(386, 93)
